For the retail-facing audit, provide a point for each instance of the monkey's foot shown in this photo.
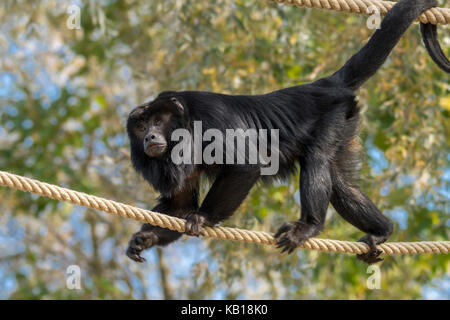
(292, 234)
(373, 255)
(194, 223)
(139, 242)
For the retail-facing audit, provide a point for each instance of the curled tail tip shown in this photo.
(430, 39)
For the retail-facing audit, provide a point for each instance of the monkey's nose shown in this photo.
(152, 137)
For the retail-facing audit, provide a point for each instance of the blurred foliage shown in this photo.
(64, 98)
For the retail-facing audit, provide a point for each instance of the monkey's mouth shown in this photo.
(155, 149)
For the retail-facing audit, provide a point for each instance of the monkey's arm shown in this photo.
(225, 196)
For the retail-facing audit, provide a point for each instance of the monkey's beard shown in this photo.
(164, 175)
(161, 172)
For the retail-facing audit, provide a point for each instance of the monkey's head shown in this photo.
(150, 125)
(149, 128)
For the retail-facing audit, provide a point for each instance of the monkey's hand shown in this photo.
(373, 255)
(139, 242)
(194, 222)
(148, 237)
(292, 234)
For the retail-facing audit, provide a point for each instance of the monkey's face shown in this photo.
(150, 125)
(151, 133)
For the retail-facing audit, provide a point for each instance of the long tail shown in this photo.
(430, 39)
(366, 61)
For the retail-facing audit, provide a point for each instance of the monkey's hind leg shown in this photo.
(356, 207)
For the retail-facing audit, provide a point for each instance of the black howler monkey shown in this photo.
(317, 125)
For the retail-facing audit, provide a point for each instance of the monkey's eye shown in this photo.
(141, 127)
(157, 122)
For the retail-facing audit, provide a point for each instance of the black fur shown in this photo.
(430, 39)
(317, 124)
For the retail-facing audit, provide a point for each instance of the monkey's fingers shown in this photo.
(284, 228)
(134, 255)
(194, 224)
(139, 242)
(192, 229)
(285, 245)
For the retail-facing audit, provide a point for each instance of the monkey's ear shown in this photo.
(137, 112)
(178, 104)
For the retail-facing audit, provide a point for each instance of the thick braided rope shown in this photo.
(165, 221)
(434, 15)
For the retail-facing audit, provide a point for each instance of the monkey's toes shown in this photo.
(373, 256)
(292, 234)
(194, 224)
